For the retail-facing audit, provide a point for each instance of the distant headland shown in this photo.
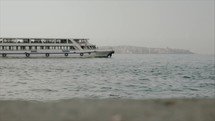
(145, 50)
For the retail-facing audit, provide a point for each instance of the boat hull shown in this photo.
(75, 54)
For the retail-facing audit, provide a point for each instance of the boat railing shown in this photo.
(36, 41)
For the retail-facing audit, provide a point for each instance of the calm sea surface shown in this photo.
(122, 76)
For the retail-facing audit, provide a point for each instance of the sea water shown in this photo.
(122, 76)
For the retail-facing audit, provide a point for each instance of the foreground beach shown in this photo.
(109, 110)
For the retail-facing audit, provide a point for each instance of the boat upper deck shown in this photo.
(44, 41)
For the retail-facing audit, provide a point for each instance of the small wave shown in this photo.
(178, 90)
(212, 77)
(114, 96)
(207, 84)
(193, 89)
(186, 77)
(44, 90)
(106, 87)
(21, 82)
(131, 85)
(145, 79)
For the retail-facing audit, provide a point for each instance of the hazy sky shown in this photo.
(184, 24)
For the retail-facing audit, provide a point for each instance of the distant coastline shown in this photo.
(145, 50)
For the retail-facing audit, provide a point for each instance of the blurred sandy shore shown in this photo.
(109, 110)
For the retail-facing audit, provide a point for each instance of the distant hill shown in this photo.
(145, 50)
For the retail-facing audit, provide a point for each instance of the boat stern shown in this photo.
(104, 53)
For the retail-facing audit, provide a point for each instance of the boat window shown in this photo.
(26, 40)
(83, 41)
(9, 40)
(70, 41)
(31, 40)
(67, 48)
(93, 47)
(63, 41)
(13, 47)
(36, 41)
(47, 47)
(57, 41)
(71, 48)
(22, 47)
(43, 41)
(49, 41)
(77, 40)
(19, 41)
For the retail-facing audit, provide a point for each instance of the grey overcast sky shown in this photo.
(184, 24)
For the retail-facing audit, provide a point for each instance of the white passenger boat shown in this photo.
(50, 47)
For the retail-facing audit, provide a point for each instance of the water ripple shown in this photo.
(123, 76)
